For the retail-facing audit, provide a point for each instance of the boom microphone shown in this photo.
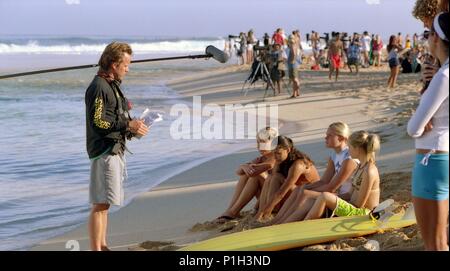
(210, 51)
(216, 54)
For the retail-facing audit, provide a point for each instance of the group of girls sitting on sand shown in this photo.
(288, 187)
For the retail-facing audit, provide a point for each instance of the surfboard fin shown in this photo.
(409, 213)
(383, 208)
(384, 218)
(383, 205)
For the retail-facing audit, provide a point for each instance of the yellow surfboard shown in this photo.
(299, 234)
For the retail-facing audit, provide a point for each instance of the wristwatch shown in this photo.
(128, 126)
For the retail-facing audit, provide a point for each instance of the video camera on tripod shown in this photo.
(326, 37)
(233, 37)
(261, 52)
(259, 69)
(345, 37)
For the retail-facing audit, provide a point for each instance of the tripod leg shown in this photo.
(243, 86)
(267, 74)
(286, 86)
(253, 78)
(267, 80)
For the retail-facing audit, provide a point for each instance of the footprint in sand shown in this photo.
(156, 246)
(228, 226)
(206, 226)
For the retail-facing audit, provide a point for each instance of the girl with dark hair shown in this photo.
(292, 168)
(335, 179)
(393, 50)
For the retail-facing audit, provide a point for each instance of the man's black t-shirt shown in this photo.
(105, 126)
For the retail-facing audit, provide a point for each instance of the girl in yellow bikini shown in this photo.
(365, 181)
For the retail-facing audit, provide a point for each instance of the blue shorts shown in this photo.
(431, 181)
(393, 62)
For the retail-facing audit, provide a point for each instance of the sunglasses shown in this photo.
(426, 34)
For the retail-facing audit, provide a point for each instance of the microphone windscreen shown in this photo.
(216, 54)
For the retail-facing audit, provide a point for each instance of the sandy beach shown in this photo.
(167, 219)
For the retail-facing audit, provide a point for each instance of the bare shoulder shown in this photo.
(372, 172)
(350, 162)
(271, 158)
(299, 165)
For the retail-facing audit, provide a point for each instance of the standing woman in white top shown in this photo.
(335, 179)
(429, 126)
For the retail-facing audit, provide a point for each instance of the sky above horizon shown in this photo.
(203, 18)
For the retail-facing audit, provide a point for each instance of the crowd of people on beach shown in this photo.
(285, 180)
(281, 53)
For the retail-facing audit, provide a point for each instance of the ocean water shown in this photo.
(93, 45)
(44, 168)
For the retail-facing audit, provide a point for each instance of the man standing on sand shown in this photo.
(293, 64)
(315, 45)
(335, 53)
(108, 126)
(366, 42)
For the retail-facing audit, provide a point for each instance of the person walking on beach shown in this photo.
(335, 53)
(251, 41)
(429, 127)
(366, 42)
(277, 58)
(292, 63)
(354, 56)
(346, 43)
(108, 126)
(393, 49)
(242, 52)
(298, 40)
(377, 49)
(277, 37)
(315, 45)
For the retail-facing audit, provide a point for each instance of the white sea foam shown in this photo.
(157, 47)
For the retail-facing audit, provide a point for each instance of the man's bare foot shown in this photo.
(105, 248)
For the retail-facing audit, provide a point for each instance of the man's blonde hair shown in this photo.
(113, 53)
